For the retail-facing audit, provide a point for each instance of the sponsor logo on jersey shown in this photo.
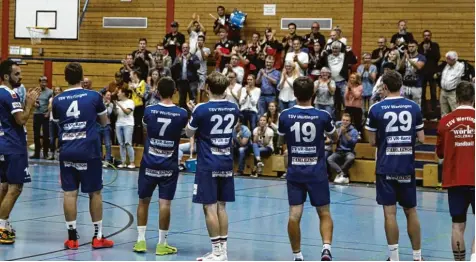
(161, 143)
(73, 136)
(464, 144)
(16, 105)
(77, 166)
(2, 158)
(158, 173)
(220, 151)
(463, 131)
(400, 179)
(159, 152)
(220, 141)
(404, 150)
(222, 173)
(303, 150)
(399, 139)
(304, 161)
(2, 133)
(75, 125)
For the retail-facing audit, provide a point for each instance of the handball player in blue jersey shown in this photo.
(212, 123)
(164, 123)
(13, 151)
(393, 126)
(304, 128)
(77, 111)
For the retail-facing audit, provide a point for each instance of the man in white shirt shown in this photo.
(195, 29)
(450, 78)
(202, 53)
(233, 66)
(301, 59)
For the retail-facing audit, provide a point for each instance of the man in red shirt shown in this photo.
(455, 143)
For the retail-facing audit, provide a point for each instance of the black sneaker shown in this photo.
(298, 259)
(326, 255)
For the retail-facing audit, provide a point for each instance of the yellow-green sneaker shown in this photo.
(140, 246)
(165, 249)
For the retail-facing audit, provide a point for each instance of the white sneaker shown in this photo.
(120, 166)
(131, 166)
(338, 178)
(212, 257)
(345, 180)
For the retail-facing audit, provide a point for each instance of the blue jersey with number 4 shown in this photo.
(164, 127)
(12, 135)
(76, 111)
(214, 122)
(395, 121)
(303, 129)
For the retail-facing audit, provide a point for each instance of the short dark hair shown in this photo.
(217, 83)
(290, 24)
(393, 81)
(427, 31)
(166, 87)
(390, 66)
(465, 92)
(6, 68)
(303, 88)
(220, 6)
(347, 115)
(413, 42)
(297, 38)
(73, 73)
(143, 39)
(201, 36)
(127, 92)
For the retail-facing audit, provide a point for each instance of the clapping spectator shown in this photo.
(233, 92)
(202, 54)
(185, 73)
(285, 86)
(289, 37)
(314, 36)
(249, 102)
(195, 29)
(233, 66)
(353, 100)
(325, 87)
(431, 51)
(137, 87)
(368, 72)
(223, 50)
(262, 144)
(272, 47)
(316, 61)
(41, 119)
(151, 96)
(269, 79)
(173, 41)
(272, 117)
(379, 54)
(401, 39)
(53, 126)
(413, 63)
(127, 67)
(161, 52)
(143, 60)
(300, 58)
(124, 108)
(241, 144)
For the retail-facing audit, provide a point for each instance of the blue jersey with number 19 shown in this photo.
(303, 129)
(395, 121)
(164, 126)
(76, 111)
(214, 122)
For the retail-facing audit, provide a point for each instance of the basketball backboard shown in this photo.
(60, 16)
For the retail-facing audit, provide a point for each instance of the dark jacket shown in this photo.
(192, 67)
(432, 58)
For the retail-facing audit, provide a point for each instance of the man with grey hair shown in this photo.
(450, 78)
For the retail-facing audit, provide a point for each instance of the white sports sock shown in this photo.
(141, 231)
(393, 252)
(417, 255)
(298, 256)
(163, 236)
(3, 223)
(98, 229)
(71, 224)
(326, 246)
(473, 257)
(224, 242)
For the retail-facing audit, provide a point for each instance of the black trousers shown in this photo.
(429, 80)
(41, 123)
(185, 87)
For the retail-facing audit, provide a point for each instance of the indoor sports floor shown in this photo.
(258, 223)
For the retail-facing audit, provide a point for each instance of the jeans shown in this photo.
(339, 156)
(413, 93)
(328, 108)
(105, 136)
(185, 148)
(124, 138)
(285, 105)
(40, 122)
(242, 153)
(263, 102)
(339, 97)
(250, 118)
(53, 135)
(261, 151)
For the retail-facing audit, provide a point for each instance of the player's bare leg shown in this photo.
(163, 248)
(142, 217)
(413, 230)
(294, 230)
(391, 231)
(285, 159)
(223, 221)
(13, 191)
(213, 227)
(95, 208)
(326, 228)
(70, 213)
(457, 241)
(3, 191)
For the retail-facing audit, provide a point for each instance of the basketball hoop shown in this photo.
(36, 33)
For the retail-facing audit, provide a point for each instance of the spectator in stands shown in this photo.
(126, 69)
(186, 148)
(233, 92)
(241, 144)
(339, 64)
(377, 92)
(53, 126)
(269, 78)
(314, 36)
(300, 58)
(124, 108)
(286, 92)
(252, 54)
(353, 100)
(393, 56)
(143, 60)
(380, 54)
(244, 59)
(151, 96)
(262, 144)
(105, 131)
(223, 50)
(233, 66)
(161, 68)
(202, 54)
(249, 97)
(290, 36)
(115, 85)
(41, 119)
(450, 78)
(185, 73)
(413, 63)
(195, 29)
(333, 37)
(368, 72)
(340, 36)
(316, 61)
(138, 89)
(324, 88)
(161, 52)
(87, 84)
(272, 47)
(401, 39)
(173, 41)
(431, 51)
(346, 142)
(223, 21)
(272, 118)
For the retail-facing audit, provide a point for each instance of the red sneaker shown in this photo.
(102, 243)
(71, 244)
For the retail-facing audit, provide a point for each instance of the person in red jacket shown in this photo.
(455, 144)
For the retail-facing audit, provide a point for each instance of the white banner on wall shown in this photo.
(269, 9)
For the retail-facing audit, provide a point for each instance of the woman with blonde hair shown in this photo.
(249, 97)
(392, 57)
(285, 86)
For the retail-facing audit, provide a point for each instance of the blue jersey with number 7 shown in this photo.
(76, 111)
(214, 122)
(395, 121)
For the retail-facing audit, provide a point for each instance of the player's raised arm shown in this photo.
(21, 117)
